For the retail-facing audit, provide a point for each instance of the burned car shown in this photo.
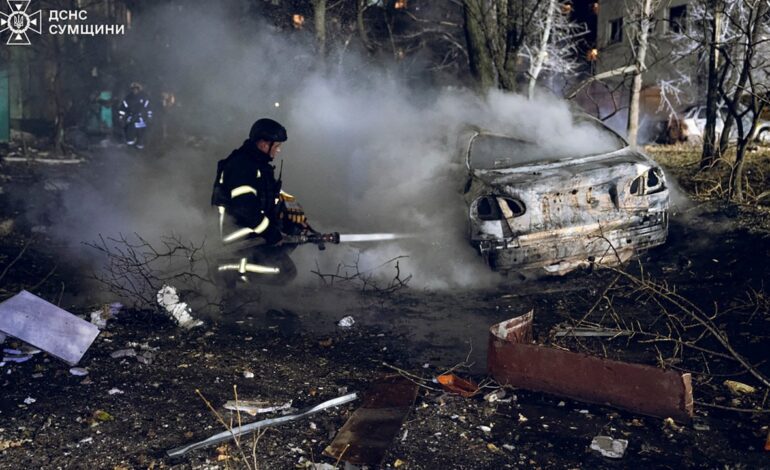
(538, 208)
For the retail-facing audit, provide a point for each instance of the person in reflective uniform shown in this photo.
(254, 213)
(135, 114)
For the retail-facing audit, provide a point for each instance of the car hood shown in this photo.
(624, 162)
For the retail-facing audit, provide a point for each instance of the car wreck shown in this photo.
(538, 209)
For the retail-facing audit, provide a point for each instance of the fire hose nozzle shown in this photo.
(333, 237)
(321, 239)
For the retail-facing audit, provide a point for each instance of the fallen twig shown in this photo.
(731, 408)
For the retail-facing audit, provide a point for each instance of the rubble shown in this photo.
(495, 396)
(103, 416)
(10, 444)
(346, 322)
(123, 353)
(107, 312)
(255, 407)
(587, 332)
(454, 384)
(180, 312)
(609, 447)
(46, 161)
(367, 434)
(46, 326)
(6, 226)
(738, 388)
(79, 371)
(513, 360)
(15, 356)
(248, 428)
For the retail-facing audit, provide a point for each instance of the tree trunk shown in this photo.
(724, 137)
(754, 38)
(479, 57)
(58, 99)
(361, 26)
(319, 21)
(636, 88)
(710, 149)
(537, 65)
(736, 175)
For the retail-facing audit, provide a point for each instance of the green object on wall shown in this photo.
(5, 108)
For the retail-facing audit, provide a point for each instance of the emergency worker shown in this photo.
(135, 114)
(254, 213)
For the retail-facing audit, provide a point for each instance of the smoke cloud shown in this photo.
(367, 151)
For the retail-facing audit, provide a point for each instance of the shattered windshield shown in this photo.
(586, 137)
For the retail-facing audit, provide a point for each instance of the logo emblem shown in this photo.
(18, 22)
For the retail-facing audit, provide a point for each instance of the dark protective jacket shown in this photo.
(136, 108)
(247, 194)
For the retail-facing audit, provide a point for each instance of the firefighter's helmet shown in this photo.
(135, 86)
(269, 130)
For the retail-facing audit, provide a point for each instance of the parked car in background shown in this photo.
(536, 211)
(694, 125)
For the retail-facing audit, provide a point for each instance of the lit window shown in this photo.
(297, 21)
(677, 19)
(615, 31)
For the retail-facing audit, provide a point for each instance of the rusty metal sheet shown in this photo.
(47, 327)
(368, 433)
(512, 360)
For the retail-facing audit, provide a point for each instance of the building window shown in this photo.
(677, 19)
(615, 31)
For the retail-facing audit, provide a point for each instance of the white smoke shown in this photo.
(366, 151)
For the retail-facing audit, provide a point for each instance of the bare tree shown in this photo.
(508, 40)
(641, 14)
(734, 34)
(749, 97)
(555, 47)
(536, 62)
(710, 149)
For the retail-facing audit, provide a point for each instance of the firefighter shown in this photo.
(254, 214)
(135, 115)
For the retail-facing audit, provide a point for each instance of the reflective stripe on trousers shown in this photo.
(244, 267)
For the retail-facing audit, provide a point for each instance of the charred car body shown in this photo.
(535, 210)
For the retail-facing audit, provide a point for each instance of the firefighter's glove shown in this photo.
(273, 236)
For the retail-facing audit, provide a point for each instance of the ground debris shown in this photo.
(513, 360)
(255, 407)
(739, 388)
(12, 443)
(234, 432)
(609, 447)
(46, 326)
(180, 312)
(371, 429)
